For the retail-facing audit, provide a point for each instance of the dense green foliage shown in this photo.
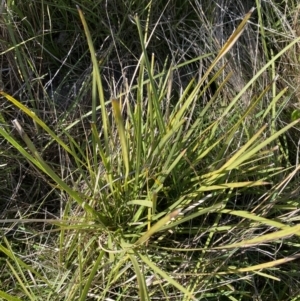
(149, 150)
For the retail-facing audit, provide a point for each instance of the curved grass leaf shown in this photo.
(8, 297)
(157, 227)
(165, 276)
(287, 232)
(143, 293)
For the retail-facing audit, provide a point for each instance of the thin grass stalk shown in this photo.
(274, 95)
(156, 104)
(251, 108)
(41, 164)
(273, 104)
(10, 254)
(138, 125)
(143, 292)
(27, 292)
(37, 120)
(199, 265)
(157, 227)
(165, 276)
(224, 50)
(19, 56)
(122, 136)
(97, 79)
(257, 75)
(275, 236)
(91, 276)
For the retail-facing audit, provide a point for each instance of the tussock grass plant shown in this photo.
(173, 176)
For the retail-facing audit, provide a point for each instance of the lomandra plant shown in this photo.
(155, 201)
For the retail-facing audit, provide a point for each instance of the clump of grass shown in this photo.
(174, 188)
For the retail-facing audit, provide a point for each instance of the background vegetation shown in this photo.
(149, 150)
